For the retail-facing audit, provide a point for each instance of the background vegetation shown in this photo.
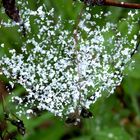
(116, 117)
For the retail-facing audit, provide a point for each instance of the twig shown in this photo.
(75, 33)
(122, 4)
(112, 3)
(135, 49)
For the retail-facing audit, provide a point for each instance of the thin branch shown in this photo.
(121, 4)
(76, 50)
(112, 3)
(135, 49)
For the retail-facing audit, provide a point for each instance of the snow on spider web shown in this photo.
(60, 74)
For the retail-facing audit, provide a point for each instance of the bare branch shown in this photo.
(122, 4)
(112, 3)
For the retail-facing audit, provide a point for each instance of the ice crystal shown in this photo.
(62, 69)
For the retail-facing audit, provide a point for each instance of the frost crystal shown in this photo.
(62, 69)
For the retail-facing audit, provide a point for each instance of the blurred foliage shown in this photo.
(116, 117)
